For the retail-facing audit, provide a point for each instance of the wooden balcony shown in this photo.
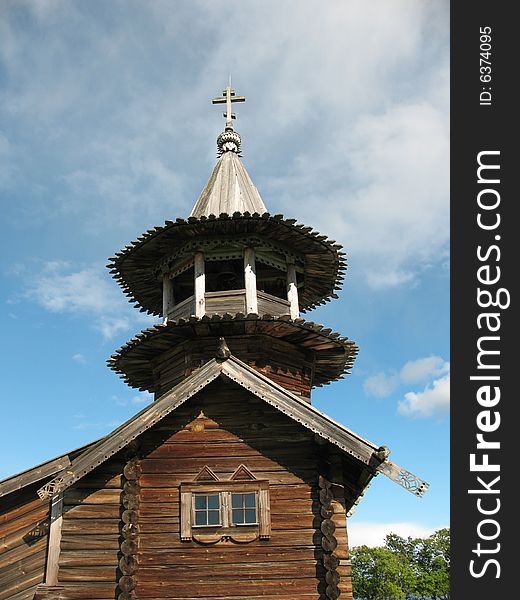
(232, 302)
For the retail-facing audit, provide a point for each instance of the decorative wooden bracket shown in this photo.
(404, 478)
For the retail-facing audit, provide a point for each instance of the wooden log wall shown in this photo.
(128, 563)
(91, 534)
(121, 526)
(338, 572)
(222, 428)
(284, 363)
(24, 526)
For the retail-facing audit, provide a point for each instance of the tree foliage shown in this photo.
(403, 568)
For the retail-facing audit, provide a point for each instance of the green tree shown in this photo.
(429, 559)
(432, 563)
(380, 574)
(403, 568)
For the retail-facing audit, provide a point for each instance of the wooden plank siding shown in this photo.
(282, 362)
(24, 521)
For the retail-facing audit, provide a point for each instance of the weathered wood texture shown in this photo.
(121, 522)
(24, 523)
(134, 266)
(283, 362)
(128, 563)
(330, 354)
(233, 428)
(338, 575)
(91, 533)
(229, 302)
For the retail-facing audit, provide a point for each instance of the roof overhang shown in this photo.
(371, 456)
(134, 267)
(333, 354)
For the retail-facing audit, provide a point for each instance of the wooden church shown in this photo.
(231, 484)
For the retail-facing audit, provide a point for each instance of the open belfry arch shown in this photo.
(231, 484)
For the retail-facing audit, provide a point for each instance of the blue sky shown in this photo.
(106, 130)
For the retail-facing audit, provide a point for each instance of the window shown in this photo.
(235, 509)
(206, 510)
(243, 509)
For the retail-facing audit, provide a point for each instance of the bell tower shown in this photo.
(230, 484)
(232, 270)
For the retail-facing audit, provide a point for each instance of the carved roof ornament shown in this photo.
(229, 140)
(223, 352)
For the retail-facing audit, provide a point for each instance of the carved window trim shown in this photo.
(226, 529)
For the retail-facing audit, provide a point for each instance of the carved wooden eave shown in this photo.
(334, 354)
(229, 190)
(39, 472)
(134, 267)
(365, 452)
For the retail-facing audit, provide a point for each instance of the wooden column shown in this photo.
(292, 289)
(200, 285)
(250, 281)
(168, 297)
(53, 553)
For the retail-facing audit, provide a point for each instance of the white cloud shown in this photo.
(142, 398)
(381, 385)
(85, 292)
(422, 369)
(373, 534)
(101, 426)
(434, 400)
(60, 289)
(133, 152)
(419, 370)
(79, 358)
(135, 400)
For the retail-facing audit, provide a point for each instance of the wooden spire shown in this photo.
(229, 190)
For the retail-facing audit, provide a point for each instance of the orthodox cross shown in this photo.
(228, 96)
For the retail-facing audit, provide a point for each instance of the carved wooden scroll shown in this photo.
(130, 531)
(329, 543)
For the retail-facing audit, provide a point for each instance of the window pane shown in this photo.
(200, 518)
(237, 500)
(200, 502)
(213, 517)
(238, 516)
(250, 500)
(213, 502)
(250, 515)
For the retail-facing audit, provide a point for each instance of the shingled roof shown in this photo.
(134, 267)
(333, 354)
(229, 190)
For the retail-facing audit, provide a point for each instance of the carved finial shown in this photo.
(228, 140)
(382, 453)
(223, 352)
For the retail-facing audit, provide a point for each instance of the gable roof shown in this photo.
(373, 457)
